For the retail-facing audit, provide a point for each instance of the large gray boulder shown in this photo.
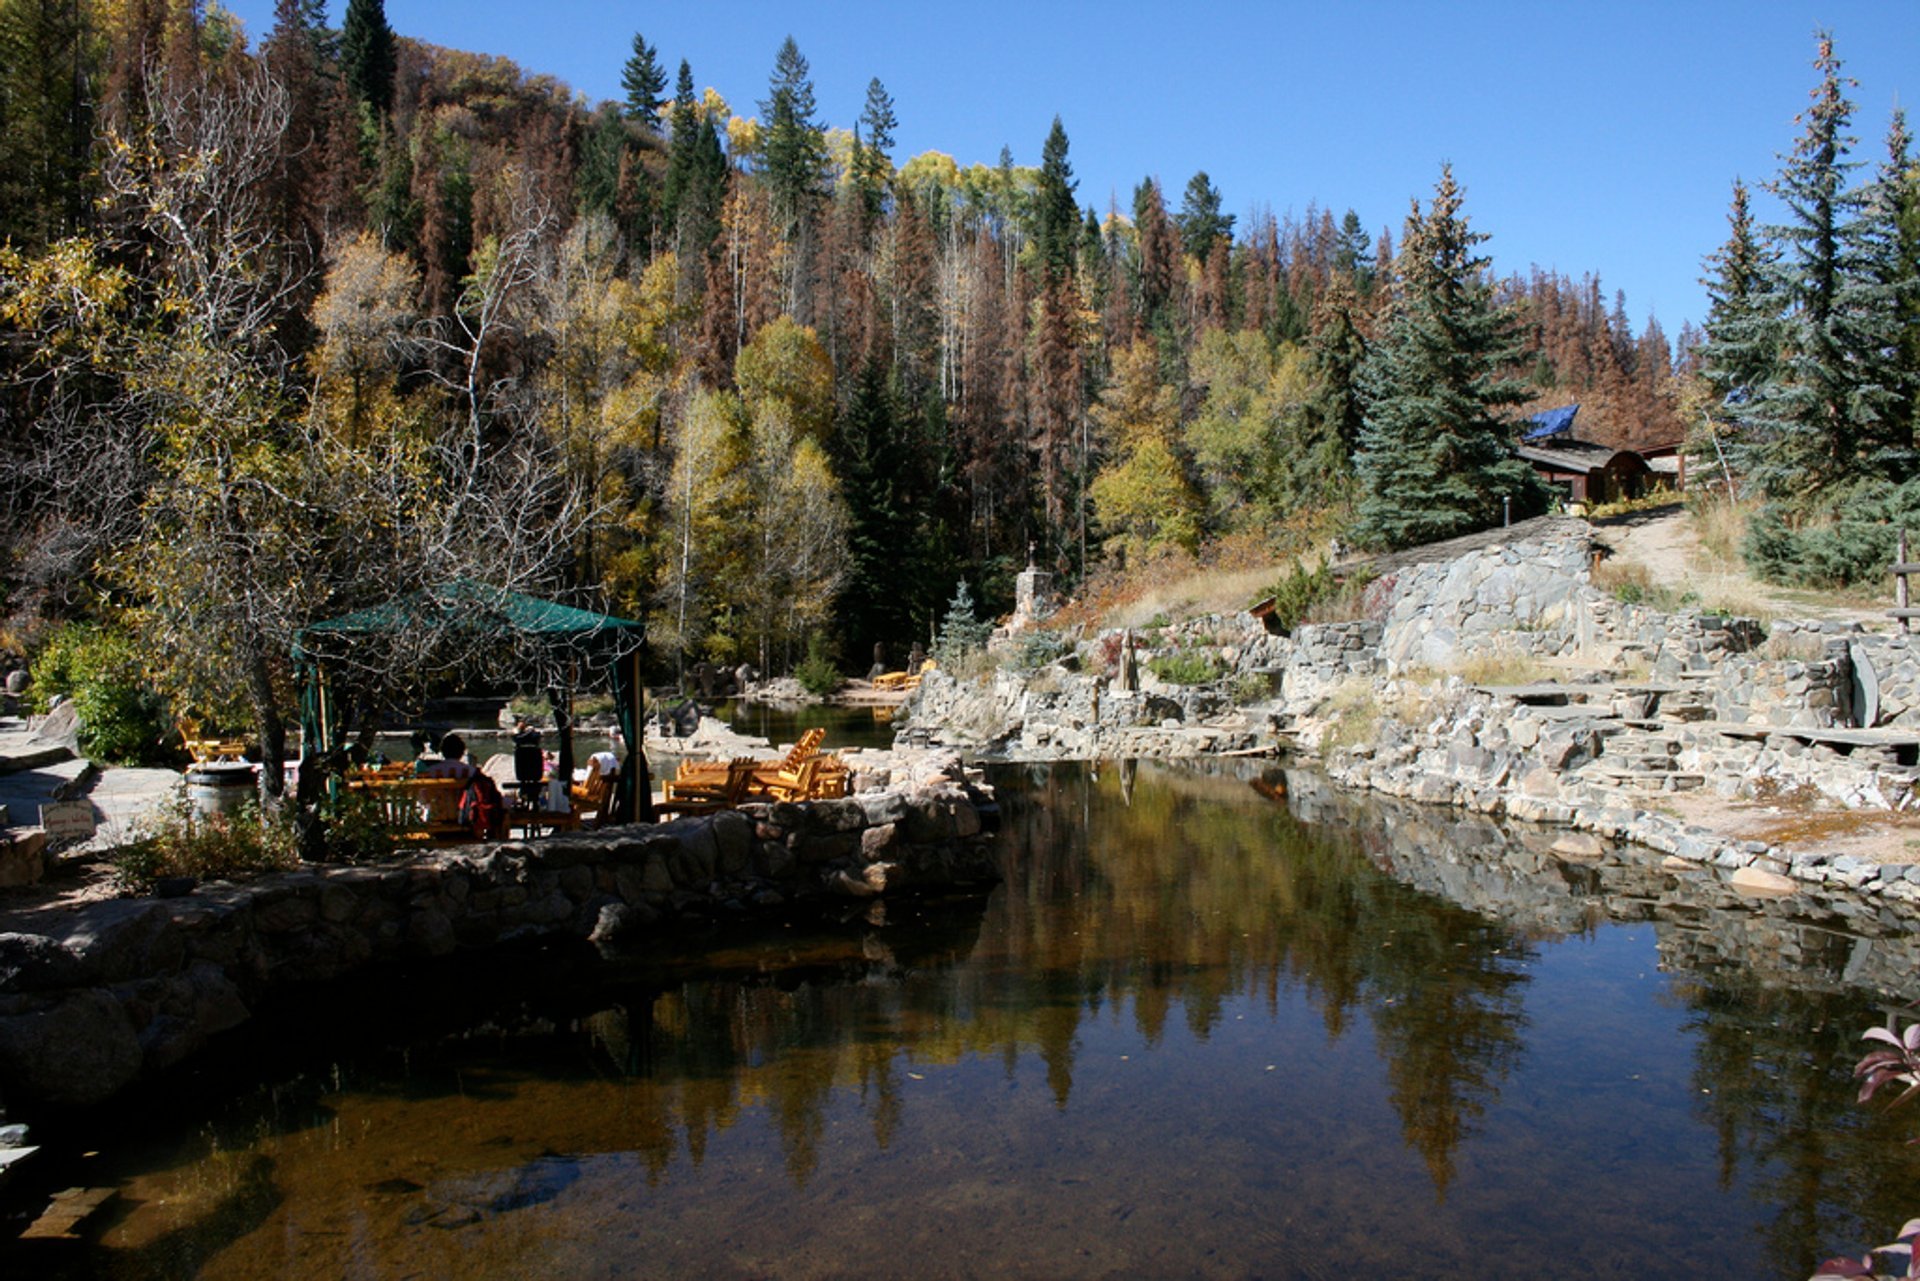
(77, 1050)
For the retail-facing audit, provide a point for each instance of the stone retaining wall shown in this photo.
(126, 987)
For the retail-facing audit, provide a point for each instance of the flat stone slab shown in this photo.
(32, 756)
(1838, 736)
(68, 1211)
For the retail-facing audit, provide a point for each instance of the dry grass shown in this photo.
(1221, 580)
(1489, 669)
(1721, 524)
(1711, 592)
(1354, 710)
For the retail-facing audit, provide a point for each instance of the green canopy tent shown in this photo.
(466, 617)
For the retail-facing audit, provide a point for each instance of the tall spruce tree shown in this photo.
(1056, 215)
(1826, 412)
(1435, 460)
(873, 153)
(794, 149)
(873, 462)
(1200, 220)
(1742, 318)
(1894, 207)
(643, 80)
(367, 55)
(683, 129)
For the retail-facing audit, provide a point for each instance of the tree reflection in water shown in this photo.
(1146, 912)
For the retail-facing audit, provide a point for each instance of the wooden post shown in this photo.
(1900, 580)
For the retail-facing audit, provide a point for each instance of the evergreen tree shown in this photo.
(47, 61)
(1827, 412)
(1434, 460)
(644, 80)
(1742, 334)
(1895, 210)
(1200, 220)
(367, 55)
(683, 127)
(873, 152)
(793, 150)
(961, 631)
(596, 182)
(873, 464)
(1056, 214)
(1353, 254)
(1339, 352)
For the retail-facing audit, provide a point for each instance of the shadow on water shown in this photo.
(1197, 1028)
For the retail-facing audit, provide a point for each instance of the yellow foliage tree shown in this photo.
(1143, 500)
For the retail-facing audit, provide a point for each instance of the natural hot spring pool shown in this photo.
(1195, 1032)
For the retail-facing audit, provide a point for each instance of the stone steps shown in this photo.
(1657, 780)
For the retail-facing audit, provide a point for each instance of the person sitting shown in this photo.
(607, 759)
(453, 761)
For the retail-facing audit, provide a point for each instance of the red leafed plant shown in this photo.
(1897, 1062)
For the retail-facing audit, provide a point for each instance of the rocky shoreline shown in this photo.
(1503, 682)
(94, 998)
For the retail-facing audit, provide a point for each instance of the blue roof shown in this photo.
(1551, 422)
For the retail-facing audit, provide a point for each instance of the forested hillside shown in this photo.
(291, 321)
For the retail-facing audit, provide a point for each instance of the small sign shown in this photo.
(65, 819)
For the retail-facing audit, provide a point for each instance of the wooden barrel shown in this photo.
(221, 787)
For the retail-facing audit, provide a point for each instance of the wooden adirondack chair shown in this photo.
(685, 797)
(770, 773)
(586, 802)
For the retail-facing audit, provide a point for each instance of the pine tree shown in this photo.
(1200, 220)
(1339, 352)
(794, 153)
(1895, 211)
(1353, 254)
(1827, 411)
(367, 55)
(47, 61)
(1742, 335)
(873, 152)
(1056, 215)
(644, 80)
(1434, 460)
(683, 127)
(961, 631)
(873, 463)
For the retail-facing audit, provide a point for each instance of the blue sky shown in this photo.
(1590, 137)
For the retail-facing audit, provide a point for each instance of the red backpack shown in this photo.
(483, 809)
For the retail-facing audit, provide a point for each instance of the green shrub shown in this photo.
(817, 673)
(1040, 649)
(1252, 687)
(121, 720)
(1317, 595)
(176, 841)
(1187, 667)
(531, 707)
(1848, 538)
(357, 829)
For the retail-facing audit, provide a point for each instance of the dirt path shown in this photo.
(1667, 544)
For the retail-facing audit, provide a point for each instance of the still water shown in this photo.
(1197, 1031)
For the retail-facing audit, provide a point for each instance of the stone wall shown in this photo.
(98, 997)
(1520, 598)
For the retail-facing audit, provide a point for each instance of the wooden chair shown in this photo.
(769, 774)
(796, 785)
(685, 797)
(419, 810)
